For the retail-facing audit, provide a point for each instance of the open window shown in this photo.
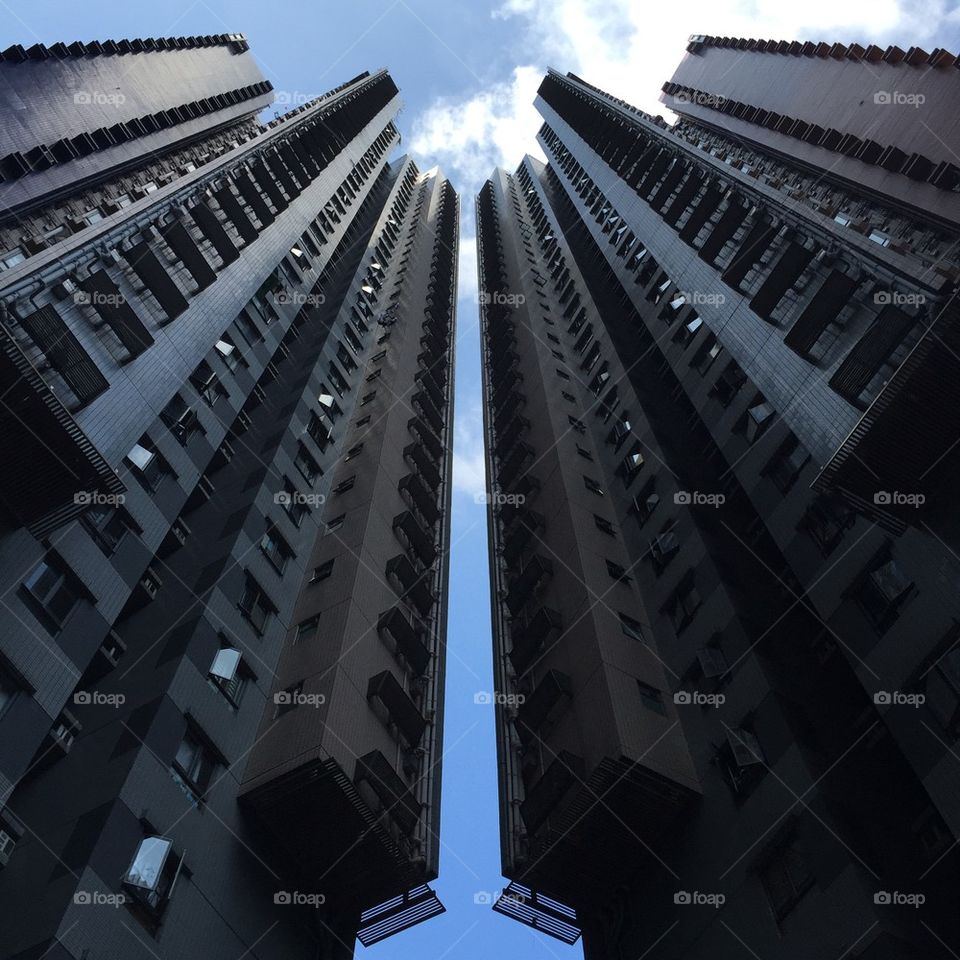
(152, 875)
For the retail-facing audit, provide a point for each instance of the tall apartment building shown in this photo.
(226, 394)
(720, 393)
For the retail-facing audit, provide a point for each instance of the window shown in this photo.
(787, 463)
(344, 485)
(9, 688)
(577, 424)
(631, 628)
(287, 699)
(368, 398)
(354, 451)
(882, 590)
(292, 501)
(322, 572)
(586, 454)
(152, 874)
(335, 524)
(363, 421)
(207, 384)
(229, 353)
(757, 419)
(318, 431)
(604, 526)
(827, 520)
(617, 572)
(52, 591)
(255, 605)
(742, 760)
(307, 629)
(592, 486)
(229, 674)
(376, 373)
(107, 526)
(569, 397)
(11, 258)
(308, 467)
(558, 355)
(684, 604)
(651, 698)
(148, 466)
(785, 877)
(194, 766)
(275, 548)
(563, 374)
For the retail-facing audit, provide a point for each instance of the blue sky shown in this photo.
(468, 73)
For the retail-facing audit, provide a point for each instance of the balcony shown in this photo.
(523, 586)
(425, 435)
(536, 910)
(105, 297)
(422, 500)
(433, 389)
(397, 914)
(511, 434)
(153, 275)
(527, 641)
(784, 274)
(548, 700)
(393, 625)
(416, 454)
(181, 242)
(422, 403)
(564, 773)
(374, 770)
(907, 439)
(414, 537)
(523, 529)
(213, 230)
(414, 587)
(510, 469)
(55, 459)
(396, 707)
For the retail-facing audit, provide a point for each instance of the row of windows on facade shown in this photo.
(73, 370)
(892, 327)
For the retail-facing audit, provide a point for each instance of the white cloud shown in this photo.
(472, 135)
(629, 49)
(469, 470)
